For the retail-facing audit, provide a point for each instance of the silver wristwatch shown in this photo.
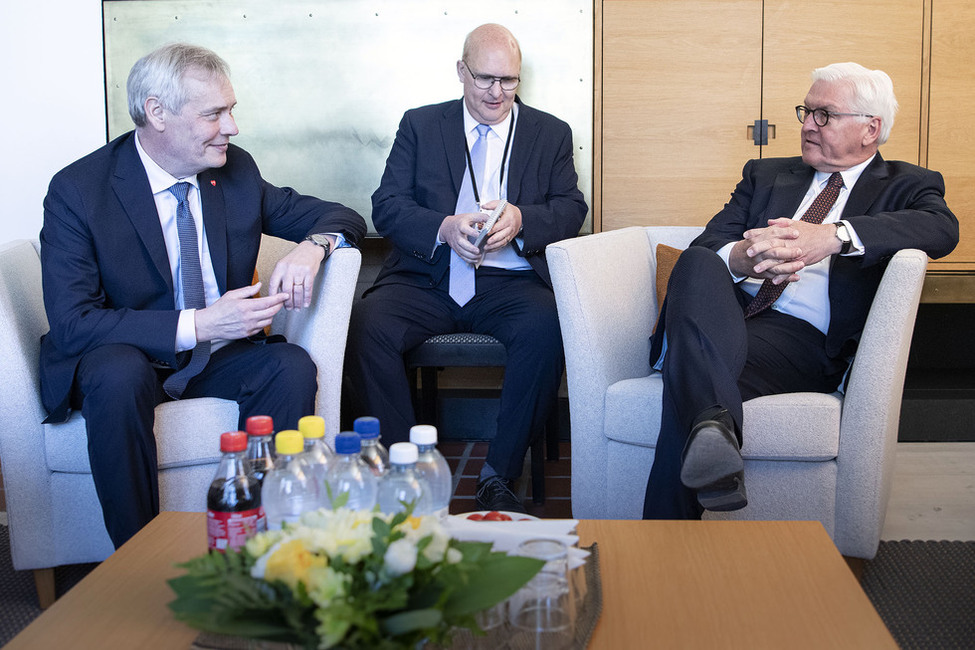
(320, 240)
(843, 234)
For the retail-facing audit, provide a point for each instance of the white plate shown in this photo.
(515, 516)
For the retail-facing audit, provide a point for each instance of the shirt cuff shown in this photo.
(725, 254)
(857, 245)
(186, 330)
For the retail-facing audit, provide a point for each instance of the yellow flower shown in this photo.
(291, 563)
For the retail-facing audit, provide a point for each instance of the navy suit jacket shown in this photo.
(423, 176)
(106, 273)
(894, 205)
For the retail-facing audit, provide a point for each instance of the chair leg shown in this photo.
(428, 377)
(538, 471)
(44, 584)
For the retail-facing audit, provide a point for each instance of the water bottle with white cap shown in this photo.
(400, 485)
(432, 466)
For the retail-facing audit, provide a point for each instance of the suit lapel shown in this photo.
(215, 224)
(789, 188)
(868, 187)
(454, 141)
(526, 134)
(131, 186)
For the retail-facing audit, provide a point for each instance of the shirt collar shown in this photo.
(850, 176)
(500, 129)
(159, 179)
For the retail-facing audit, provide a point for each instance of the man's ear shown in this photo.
(460, 70)
(155, 114)
(872, 131)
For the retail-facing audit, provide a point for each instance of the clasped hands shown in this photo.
(779, 251)
(459, 231)
(236, 315)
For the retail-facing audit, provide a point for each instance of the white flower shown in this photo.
(454, 556)
(400, 557)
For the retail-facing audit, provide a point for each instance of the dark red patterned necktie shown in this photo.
(821, 205)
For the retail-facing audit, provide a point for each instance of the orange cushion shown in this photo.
(666, 258)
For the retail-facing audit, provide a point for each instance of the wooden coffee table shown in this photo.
(667, 584)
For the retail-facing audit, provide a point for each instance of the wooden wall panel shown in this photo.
(681, 82)
(951, 139)
(801, 35)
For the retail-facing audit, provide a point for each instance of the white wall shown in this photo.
(53, 106)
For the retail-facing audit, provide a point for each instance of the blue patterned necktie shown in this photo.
(194, 296)
(768, 293)
(462, 273)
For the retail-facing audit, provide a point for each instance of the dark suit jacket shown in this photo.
(422, 180)
(893, 206)
(106, 273)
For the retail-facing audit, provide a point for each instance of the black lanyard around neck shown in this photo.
(504, 160)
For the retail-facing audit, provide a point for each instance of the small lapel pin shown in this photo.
(213, 183)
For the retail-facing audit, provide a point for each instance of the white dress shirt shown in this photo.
(159, 182)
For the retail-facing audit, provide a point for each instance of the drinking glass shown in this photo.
(542, 613)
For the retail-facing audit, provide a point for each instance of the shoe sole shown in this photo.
(710, 458)
(725, 498)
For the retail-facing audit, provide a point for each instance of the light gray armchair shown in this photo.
(54, 515)
(808, 456)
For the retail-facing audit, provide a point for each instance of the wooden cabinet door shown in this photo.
(680, 83)
(951, 139)
(801, 35)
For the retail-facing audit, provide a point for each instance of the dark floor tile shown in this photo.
(452, 448)
(466, 487)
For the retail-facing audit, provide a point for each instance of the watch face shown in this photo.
(321, 240)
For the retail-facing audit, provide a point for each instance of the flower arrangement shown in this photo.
(349, 579)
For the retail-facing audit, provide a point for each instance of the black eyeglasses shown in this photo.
(484, 82)
(821, 115)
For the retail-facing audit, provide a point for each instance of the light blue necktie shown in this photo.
(462, 273)
(194, 296)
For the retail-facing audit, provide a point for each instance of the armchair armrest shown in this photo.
(321, 329)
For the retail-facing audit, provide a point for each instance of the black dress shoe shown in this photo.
(495, 494)
(712, 465)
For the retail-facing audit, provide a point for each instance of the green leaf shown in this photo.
(496, 578)
(412, 621)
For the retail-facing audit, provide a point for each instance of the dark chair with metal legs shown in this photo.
(477, 350)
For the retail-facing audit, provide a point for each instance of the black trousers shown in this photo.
(515, 307)
(716, 358)
(117, 390)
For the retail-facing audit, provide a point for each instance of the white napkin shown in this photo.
(507, 535)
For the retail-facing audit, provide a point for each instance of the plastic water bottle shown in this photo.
(373, 453)
(317, 455)
(260, 447)
(433, 467)
(349, 474)
(400, 485)
(234, 512)
(288, 490)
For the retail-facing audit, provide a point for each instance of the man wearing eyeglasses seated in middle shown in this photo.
(451, 165)
(772, 297)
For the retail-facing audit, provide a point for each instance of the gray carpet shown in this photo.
(924, 592)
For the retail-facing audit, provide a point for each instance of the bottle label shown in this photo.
(232, 529)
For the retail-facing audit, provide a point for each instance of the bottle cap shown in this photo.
(233, 441)
(423, 434)
(260, 425)
(348, 442)
(312, 426)
(289, 442)
(403, 453)
(367, 427)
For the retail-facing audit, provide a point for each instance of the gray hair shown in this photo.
(873, 92)
(160, 73)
